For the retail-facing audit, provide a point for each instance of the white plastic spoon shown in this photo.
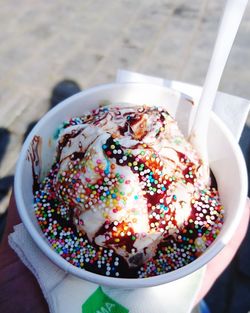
(232, 16)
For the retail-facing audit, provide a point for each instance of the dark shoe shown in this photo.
(4, 141)
(63, 90)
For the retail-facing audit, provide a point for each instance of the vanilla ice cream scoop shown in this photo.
(129, 177)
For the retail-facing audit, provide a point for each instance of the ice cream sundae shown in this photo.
(126, 195)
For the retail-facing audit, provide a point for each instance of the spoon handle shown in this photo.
(233, 13)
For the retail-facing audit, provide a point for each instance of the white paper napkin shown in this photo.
(66, 293)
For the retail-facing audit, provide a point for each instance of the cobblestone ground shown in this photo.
(44, 42)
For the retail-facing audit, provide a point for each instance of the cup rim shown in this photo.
(41, 242)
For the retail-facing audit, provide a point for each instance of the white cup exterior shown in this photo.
(225, 158)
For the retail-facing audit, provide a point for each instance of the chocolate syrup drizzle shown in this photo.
(152, 199)
(34, 157)
(66, 140)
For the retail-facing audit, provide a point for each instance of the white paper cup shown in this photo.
(225, 157)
